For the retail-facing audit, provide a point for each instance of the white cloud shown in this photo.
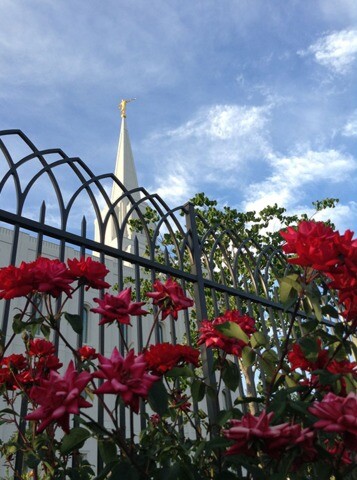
(336, 51)
(223, 122)
(216, 142)
(343, 216)
(175, 188)
(350, 128)
(291, 175)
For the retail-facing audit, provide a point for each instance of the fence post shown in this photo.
(201, 311)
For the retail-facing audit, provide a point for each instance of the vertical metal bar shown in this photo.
(101, 342)
(201, 308)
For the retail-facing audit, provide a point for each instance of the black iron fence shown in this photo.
(142, 238)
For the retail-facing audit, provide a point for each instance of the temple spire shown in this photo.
(122, 106)
(125, 169)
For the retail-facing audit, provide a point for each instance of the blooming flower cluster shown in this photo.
(289, 437)
(127, 377)
(163, 357)
(169, 296)
(18, 371)
(319, 247)
(345, 367)
(49, 276)
(253, 433)
(58, 397)
(118, 307)
(212, 337)
(338, 414)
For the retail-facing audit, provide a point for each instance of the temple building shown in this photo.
(117, 235)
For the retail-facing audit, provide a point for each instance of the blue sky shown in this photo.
(251, 101)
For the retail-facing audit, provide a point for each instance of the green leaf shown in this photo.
(258, 339)
(351, 384)
(310, 348)
(289, 288)
(230, 375)
(9, 411)
(75, 321)
(315, 303)
(106, 470)
(268, 363)
(108, 450)
(218, 443)
(124, 471)
(279, 404)
(232, 330)
(291, 382)
(158, 398)
(248, 356)
(74, 439)
(177, 372)
(177, 471)
(198, 390)
(325, 377)
(330, 311)
(309, 325)
(223, 417)
(18, 325)
(199, 450)
(46, 331)
(32, 461)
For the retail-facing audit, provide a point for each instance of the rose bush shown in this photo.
(302, 424)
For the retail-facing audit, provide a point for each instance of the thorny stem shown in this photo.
(156, 318)
(284, 352)
(106, 408)
(123, 339)
(186, 413)
(73, 350)
(221, 360)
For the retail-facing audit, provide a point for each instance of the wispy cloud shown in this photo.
(337, 51)
(174, 188)
(350, 128)
(341, 215)
(292, 175)
(216, 141)
(48, 46)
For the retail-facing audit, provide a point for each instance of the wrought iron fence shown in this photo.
(219, 269)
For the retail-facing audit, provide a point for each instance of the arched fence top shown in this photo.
(229, 263)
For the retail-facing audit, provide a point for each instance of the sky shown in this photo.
(253, 102)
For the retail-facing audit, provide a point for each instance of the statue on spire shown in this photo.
(122, 106)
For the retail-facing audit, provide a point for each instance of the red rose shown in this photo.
(89, 272)
(40, 347)
(87, 353)
(315, 244)
(212, 337)
(169, 296)
(251, 433)
(52, 276)
(126, 377)
(298, 360)
(338, 414)
(59, 397)
(165, 356)
(118, 307)
(16, 281)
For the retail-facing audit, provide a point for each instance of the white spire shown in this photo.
(124, 167)
(125, 172)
